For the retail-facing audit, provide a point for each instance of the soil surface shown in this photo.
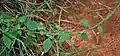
(76, 10)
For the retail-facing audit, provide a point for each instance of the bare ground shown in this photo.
(109, 43)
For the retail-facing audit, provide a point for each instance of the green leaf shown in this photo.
(118, 0)
(31, 25)
(41, 27)
(31, 34)
(7, 41)
(30, 40)
(109, 15)
(21, 52)
(100, 30)
(19, 32)
(84, 23)
(84, 36)
(47, 44)
(17, 26)
(1, 20)
(41, 32)
(22, 18)
(8, 18)
(13, 33)
(50, 36)
(63, 36)
(3, 27)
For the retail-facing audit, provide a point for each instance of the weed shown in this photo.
(23, 35)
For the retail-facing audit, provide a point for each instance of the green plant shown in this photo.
(17, 33)
(20, 30)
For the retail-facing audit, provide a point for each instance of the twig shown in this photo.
(67, 21)
(42, 53)
(88, 53)
(100, 16)
(82, 3)
(112, 42)
(104, 6)
(60, 16)
(36, 17)
(97, 38)
(57, 45)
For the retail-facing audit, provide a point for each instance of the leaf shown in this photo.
(47, 44)
(109, 15)
(84, 36)
(41, 32)
(100, 30)
(8, 18)
(31, 25)
(19, 32)
(31, 34)
(84, 23)
(21, 52)
(13, 33)
(8, 24)
(30, 40)
(118, 0)
(41, 27)
(7, 41)
(50, 36)
(63, 36)
(3, 27)
(22, 18)
(17, 26)
(1, 21)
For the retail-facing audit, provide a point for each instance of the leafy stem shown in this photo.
(11, 36)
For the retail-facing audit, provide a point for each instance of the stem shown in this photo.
(3, 50)
(59, 30)
(105, 18)
(15, 39)
(57, 45)
(97, 24)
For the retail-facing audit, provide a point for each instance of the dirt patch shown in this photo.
(88, 9)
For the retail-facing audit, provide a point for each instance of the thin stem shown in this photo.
(105, 18)
(57, 45)
(93, 27)
(15, 39)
